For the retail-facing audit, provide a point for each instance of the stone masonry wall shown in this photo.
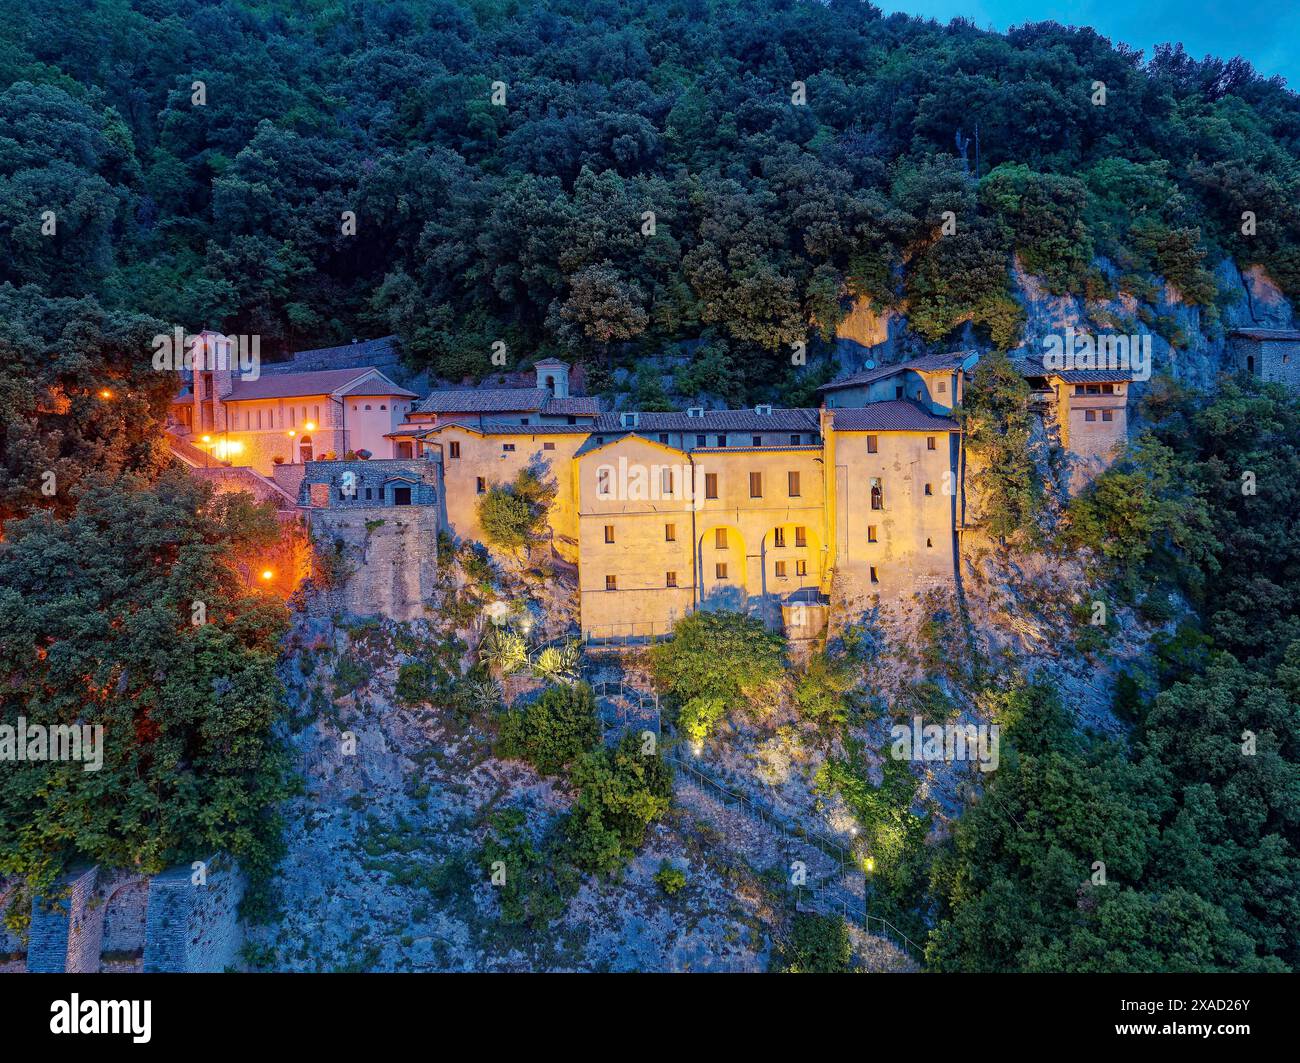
(194, 927)
(393, 553)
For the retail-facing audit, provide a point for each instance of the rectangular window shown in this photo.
(758, 440)
(720, 538)
(670, 533)
(1108, 389)
(872, 444)
(792, 479)
(670, 579)
(720, 571)
(508, 447)
(778, 537)
(722, 441)
(602, 482)
(801, 536)
(710, 485)
(871, 533)
(801, 568)
(874, 577)
(929, 442)
(609, 533)
(877, 496)
(795, 439)
(755, 485)
(453, 449)
(666, 481)
(780, 570)
(611, 582)
(663, 437)
(548, 446)
(522, 420)
(898, 391)
(1108, 415)
(929, 490)
(943, 386)
(482, 486)
(1089, 415)
(699, 441)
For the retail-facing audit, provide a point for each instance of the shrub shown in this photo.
(670, 879)
(816, 944)
(553, 731)
(414, 684)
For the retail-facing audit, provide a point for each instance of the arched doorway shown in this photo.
(304, 449)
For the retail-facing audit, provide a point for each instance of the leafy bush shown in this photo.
(553, 731)
(621, 792)
(712, 661)
(816, 944)
(670, 879)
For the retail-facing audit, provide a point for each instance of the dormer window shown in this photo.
(695, 411)
(763, 410)
(629, 420)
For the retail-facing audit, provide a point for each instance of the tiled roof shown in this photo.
(485, 400)
(1031, 367)
(551, 363)
(752, 450)
(930, 363)
(897, 415)
(1283, 334)
(713, 421)
(573, 405)
(324, 382)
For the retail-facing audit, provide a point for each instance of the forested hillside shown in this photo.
(500, 157)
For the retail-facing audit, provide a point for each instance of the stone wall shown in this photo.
(392, 555)
(194, 926)
(65, 932)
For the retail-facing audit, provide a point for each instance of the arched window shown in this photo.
(550, 384)
(304, 449)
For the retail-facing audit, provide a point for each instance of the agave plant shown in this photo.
(506, 651)
(557, 663)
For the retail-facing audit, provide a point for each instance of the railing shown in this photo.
(832, 901)
(633, 633)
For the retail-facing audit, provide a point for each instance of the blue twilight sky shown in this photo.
(1266, 32)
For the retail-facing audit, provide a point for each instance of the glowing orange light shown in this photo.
(207, 439)
(291, 433)
(310, 426)
(267, 573)
(105, 393)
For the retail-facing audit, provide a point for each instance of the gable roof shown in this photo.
(799, 420)
(1033, 367)
(930, 363)
(1283, 334)
(485, 400)
(896, 415)
(322, 382)
(630, 437)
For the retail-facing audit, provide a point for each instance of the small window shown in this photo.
(871, 533)
(1108, 389)
(609, 533)
(570, 420)
(611, 583)
(758, 440)
(801, 568)
(943, 387)
(508, 447)
(1108, 415)
(720, 538)
(670, 579)
(877, 496)
(780, 570)
(792, 481)
(382, 406)
(481, 486)
(367, 407)
(801, 536)
(795, 439)
(700, 441)
(898, 391)
(929, 542)
(663, 437)
(600, 441)
(874, 577)
(778, 537)
(670, 533)
(523, 420)
(1089, 415)
(370, 492)
(548, 446)
(720, 571)
(929, 442)
(666, 481)
(602, 482)
(722, 441)
(453, 449)
(755, 485)
(872, 444)
(929, 489)
(354, 407)
(710, 485)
